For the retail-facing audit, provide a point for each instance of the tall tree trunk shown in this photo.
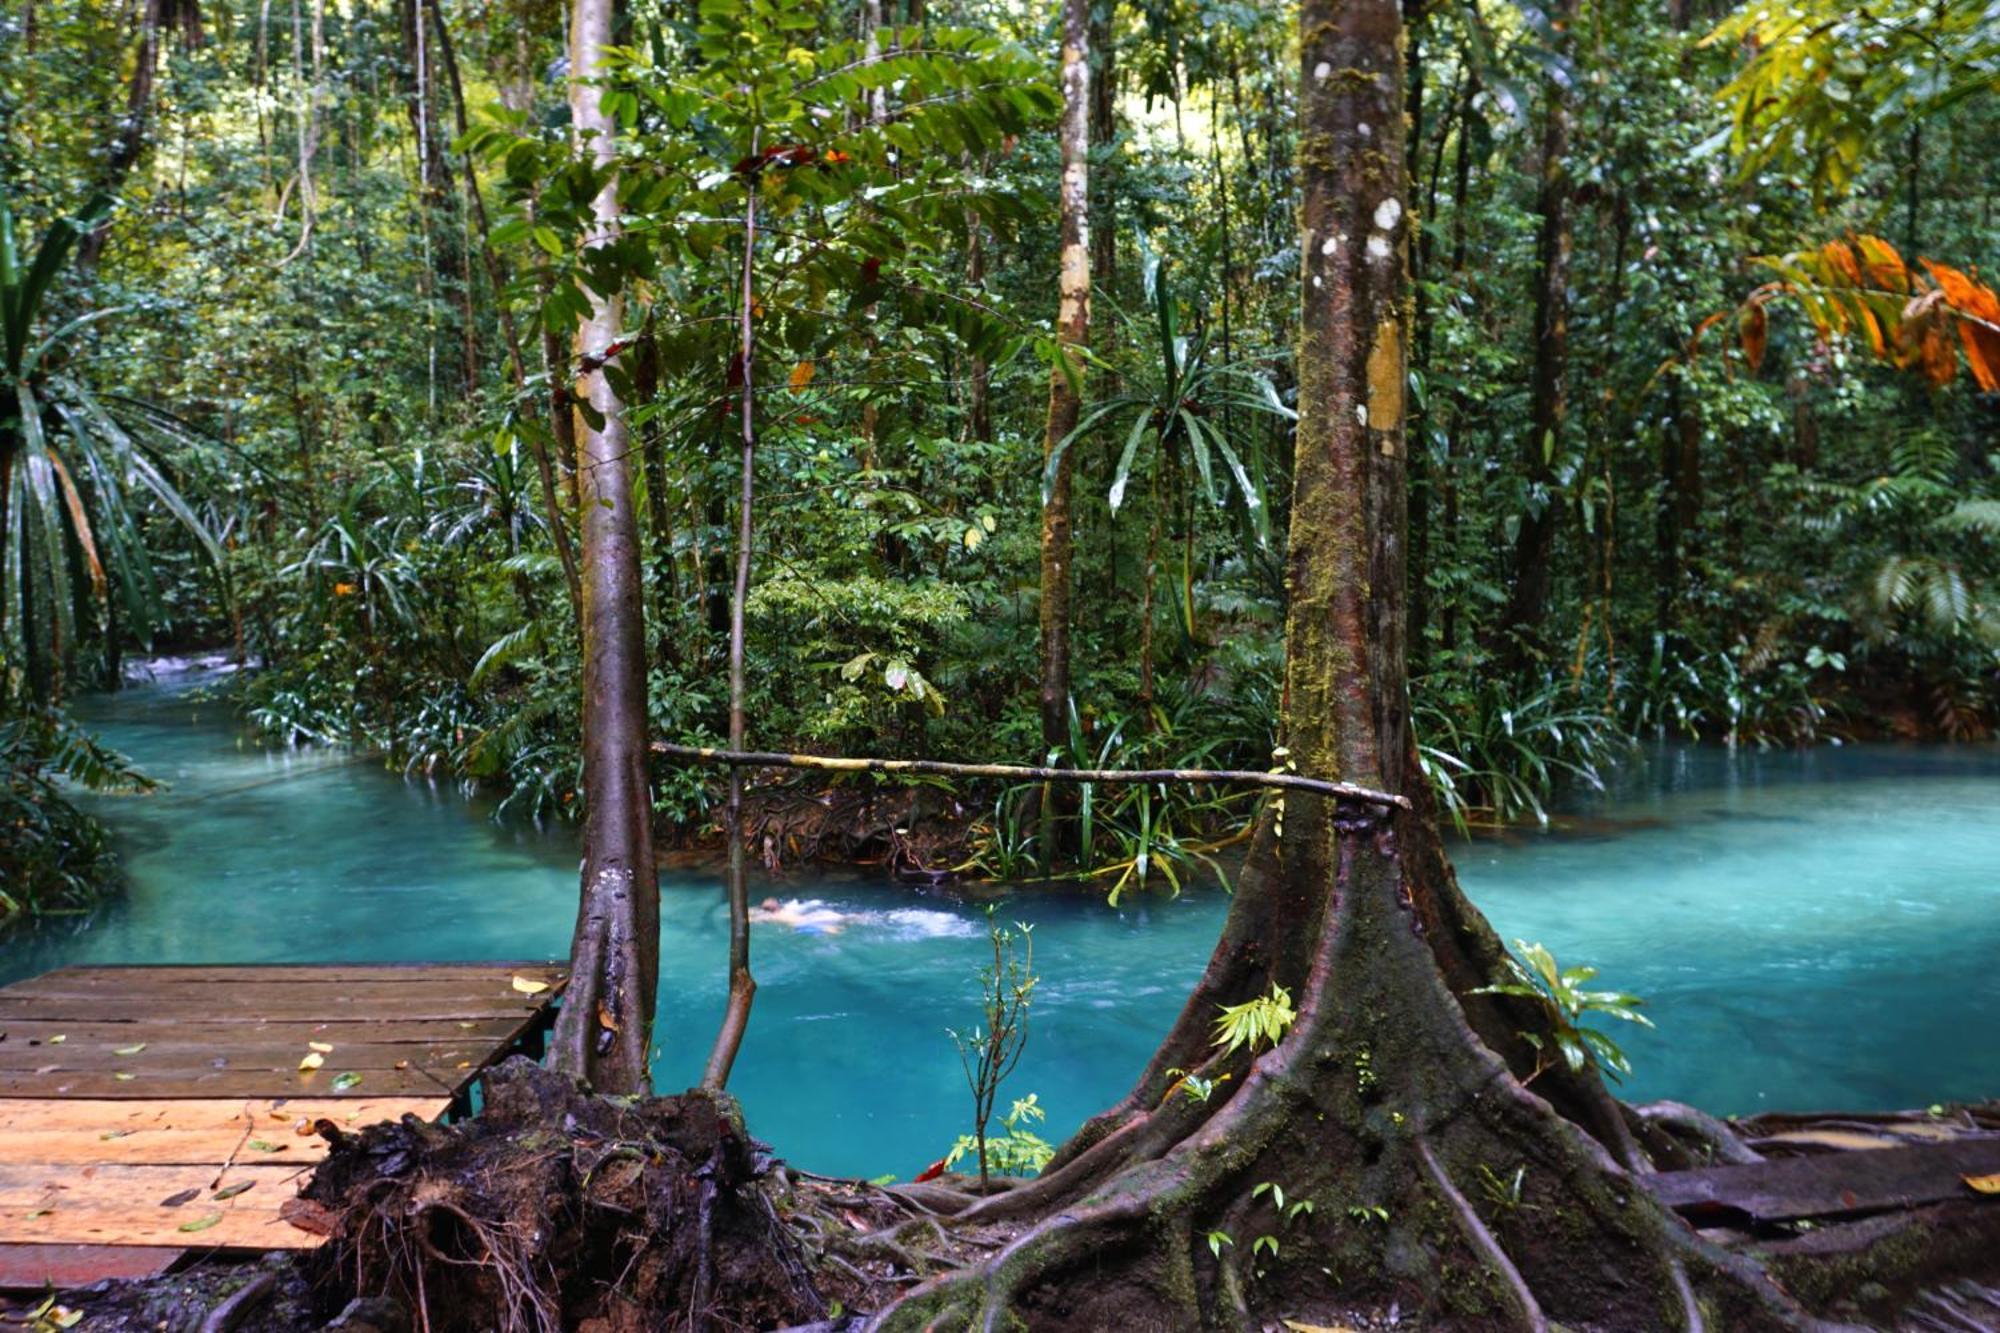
(742, 985)
(979, 388)
(605, 1028)
(1065, 395)
(1535, 543)
(1397, 1081)
(1103, 37)
(1461, 190)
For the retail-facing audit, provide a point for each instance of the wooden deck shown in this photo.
(149, 1111)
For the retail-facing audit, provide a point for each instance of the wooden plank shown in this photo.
(63, 1204)
(27, 1044)
(1787, 1189)
(84, 1132)
(36, 1267)
(234, 1083)
(74, 1055)
(117, 974)
(197, 996)
(144, 1011)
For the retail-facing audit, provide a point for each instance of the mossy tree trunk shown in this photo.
(1535, 539)
(1396, 1092)
(605, 1028)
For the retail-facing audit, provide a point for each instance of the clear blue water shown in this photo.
(1812, 930)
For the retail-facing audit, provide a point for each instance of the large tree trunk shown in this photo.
(605, 1028)
(1065, 393)
(1535, 543)
(1396, 1085)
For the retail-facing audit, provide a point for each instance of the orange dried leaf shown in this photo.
(1984, 1184)
(1886, 268)
(802, 374)
(1754, 328)
(1940, 360)
(1840, 261)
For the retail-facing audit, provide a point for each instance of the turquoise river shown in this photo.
(1811, 930)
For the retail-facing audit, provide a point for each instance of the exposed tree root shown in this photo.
(556, 1210)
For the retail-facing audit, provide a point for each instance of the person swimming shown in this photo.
(808, 917)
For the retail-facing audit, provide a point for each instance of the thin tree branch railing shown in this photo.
(1340, 791)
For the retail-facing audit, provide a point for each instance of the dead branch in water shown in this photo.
(1340, 791)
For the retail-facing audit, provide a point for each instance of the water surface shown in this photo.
(1812, 930)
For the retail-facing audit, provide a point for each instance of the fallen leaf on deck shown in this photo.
(176, 1200)
(527, 987)
(59, 1039)
(309, 1216)
(110, 1134)
(323, 1047)
(231, 1191)
(346, 1081)
(402, 1064)
(1298, 1327)
(312, 1060)
(200, 1223)
(124, 1078)
(133, 1049)
(1985, 1184)
(262, 1145)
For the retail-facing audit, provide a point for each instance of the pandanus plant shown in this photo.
(72, 465)
(1181, 401)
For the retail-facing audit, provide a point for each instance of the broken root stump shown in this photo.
(556, 1210)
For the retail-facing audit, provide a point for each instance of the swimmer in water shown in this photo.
(812, 917)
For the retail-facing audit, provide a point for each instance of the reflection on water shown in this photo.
(1812, 929)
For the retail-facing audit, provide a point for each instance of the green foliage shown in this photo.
(1494, 753)
(1258, 1022)
(991, 1050)
(1827, 84)
(54, 859)
(73, 467)
(1018, 1151)
(1565, 1004)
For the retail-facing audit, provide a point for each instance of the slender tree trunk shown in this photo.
(1534, 546)
(742, 985)
(604, 1031)
(979, 390)
(519, 97)
(1065, 396)
(130, 141)
(1461, 190)
(1103, 36)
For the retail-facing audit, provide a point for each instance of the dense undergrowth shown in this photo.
(276, 410)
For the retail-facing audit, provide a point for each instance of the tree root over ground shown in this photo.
(1387, 1162)
(556, 1210)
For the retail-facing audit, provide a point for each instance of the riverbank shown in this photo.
(1810, 929)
